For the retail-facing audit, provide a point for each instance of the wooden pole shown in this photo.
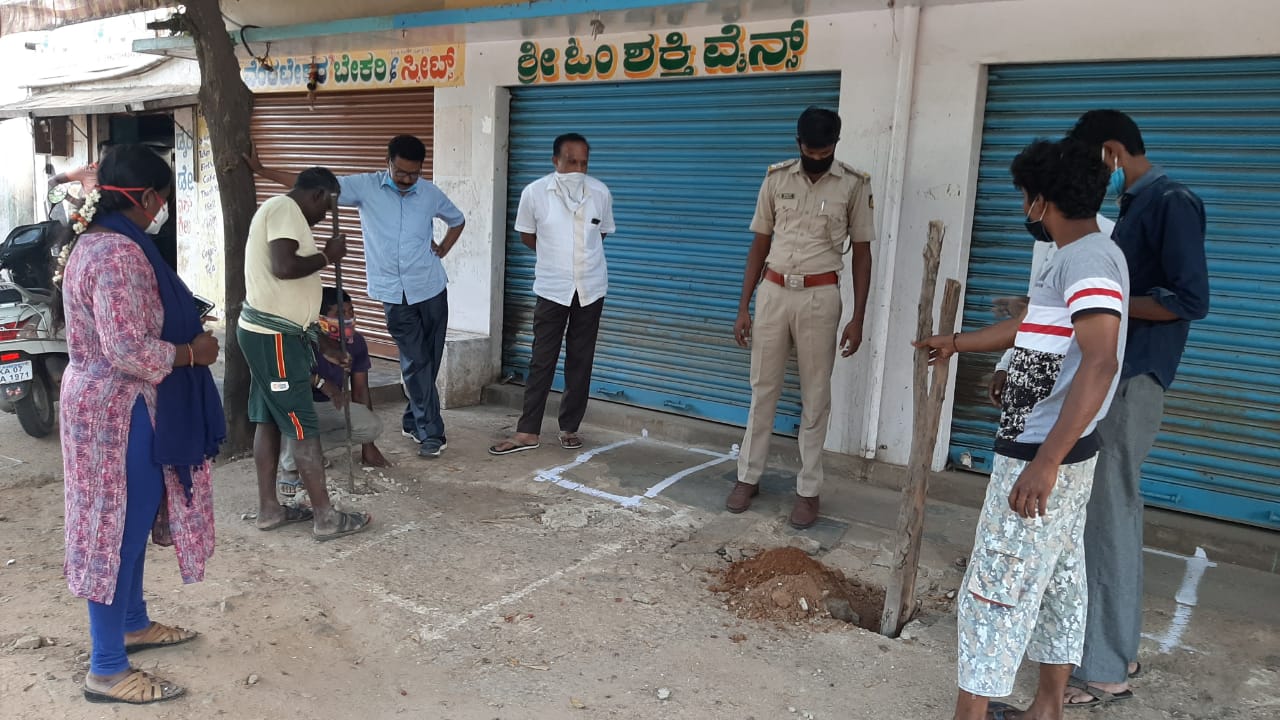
(927, 400)
(342, 344)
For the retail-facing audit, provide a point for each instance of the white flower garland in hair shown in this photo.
(81, 220)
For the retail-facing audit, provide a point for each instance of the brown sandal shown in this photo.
(137, 688)
(159, 635)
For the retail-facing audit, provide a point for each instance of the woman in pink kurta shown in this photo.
(123, 313)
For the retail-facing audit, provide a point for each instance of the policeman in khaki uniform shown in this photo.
(811, 211)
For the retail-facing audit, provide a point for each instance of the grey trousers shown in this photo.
(1113, 532)
(365, 427)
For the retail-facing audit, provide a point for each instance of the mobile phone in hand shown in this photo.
(203, 307)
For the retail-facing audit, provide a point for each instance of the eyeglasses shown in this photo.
(399, 174)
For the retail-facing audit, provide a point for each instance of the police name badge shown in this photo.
(281, 386)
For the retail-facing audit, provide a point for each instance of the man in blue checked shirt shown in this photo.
(405, 273)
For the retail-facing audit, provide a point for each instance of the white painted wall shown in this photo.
(470, 166)
(475, 116)
(956, 43)
(17, 179)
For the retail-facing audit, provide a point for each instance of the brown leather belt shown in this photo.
(796, 282)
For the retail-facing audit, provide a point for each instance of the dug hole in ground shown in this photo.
(606, 583)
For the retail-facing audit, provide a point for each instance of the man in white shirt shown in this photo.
(564, 217)
(1006, 308)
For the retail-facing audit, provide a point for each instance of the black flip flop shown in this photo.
(1099, 697)
(292, 514)
(348, 524)
(997, 710)
(514, 447)
(1137, 671)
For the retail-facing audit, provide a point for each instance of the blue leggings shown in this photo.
(127, 611)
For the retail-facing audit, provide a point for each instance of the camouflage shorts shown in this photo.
(1026, 589)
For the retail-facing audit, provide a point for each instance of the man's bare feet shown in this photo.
(331, 523)
(370, 455)
(277, 515)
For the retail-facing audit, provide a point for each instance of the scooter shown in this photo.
(33, 346)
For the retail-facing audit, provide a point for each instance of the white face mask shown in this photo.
(573, 185)
(161, 218)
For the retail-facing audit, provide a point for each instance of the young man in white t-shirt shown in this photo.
(1025, 589)
(1008, 307)
(564, 217)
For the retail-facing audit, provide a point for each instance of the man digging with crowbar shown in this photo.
(277, 334)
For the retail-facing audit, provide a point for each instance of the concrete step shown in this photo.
(1165, 530)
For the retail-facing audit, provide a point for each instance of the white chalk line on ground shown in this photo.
(386, 596)
(556, 477)
(677, 477)
(1186, 598)
(393, 533)
(442, 623)
(439, 631)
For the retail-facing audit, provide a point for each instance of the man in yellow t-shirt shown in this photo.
(282, 300)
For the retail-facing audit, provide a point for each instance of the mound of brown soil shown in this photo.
(786, 585)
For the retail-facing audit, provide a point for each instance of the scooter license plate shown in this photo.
(15, 372)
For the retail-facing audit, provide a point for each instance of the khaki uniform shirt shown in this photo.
(811, 223)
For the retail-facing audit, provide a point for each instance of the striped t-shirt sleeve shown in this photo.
(1095, 295)
(1092, 283)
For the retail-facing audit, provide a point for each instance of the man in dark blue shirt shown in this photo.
(1161, 232)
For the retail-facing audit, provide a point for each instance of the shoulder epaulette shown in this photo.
(780, 165)
(851, 169)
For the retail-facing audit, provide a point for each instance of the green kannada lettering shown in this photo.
(797, 43)
(549, 64)
(606, 61)
(723, 50)
(676, 57)
(639, 57)
(342, 69)
(527, 65)
(577, 64)
(769, 50)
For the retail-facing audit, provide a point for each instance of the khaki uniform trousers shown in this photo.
(807, 320)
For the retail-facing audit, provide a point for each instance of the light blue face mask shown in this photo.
(1116, 186)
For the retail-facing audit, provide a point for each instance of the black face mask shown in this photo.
(816, 167)
(1036, 228)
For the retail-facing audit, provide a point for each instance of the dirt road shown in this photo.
(547, 586)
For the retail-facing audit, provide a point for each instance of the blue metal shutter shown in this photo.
(684, 160)
(1215, 125)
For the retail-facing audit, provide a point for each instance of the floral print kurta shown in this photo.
(114, 317)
